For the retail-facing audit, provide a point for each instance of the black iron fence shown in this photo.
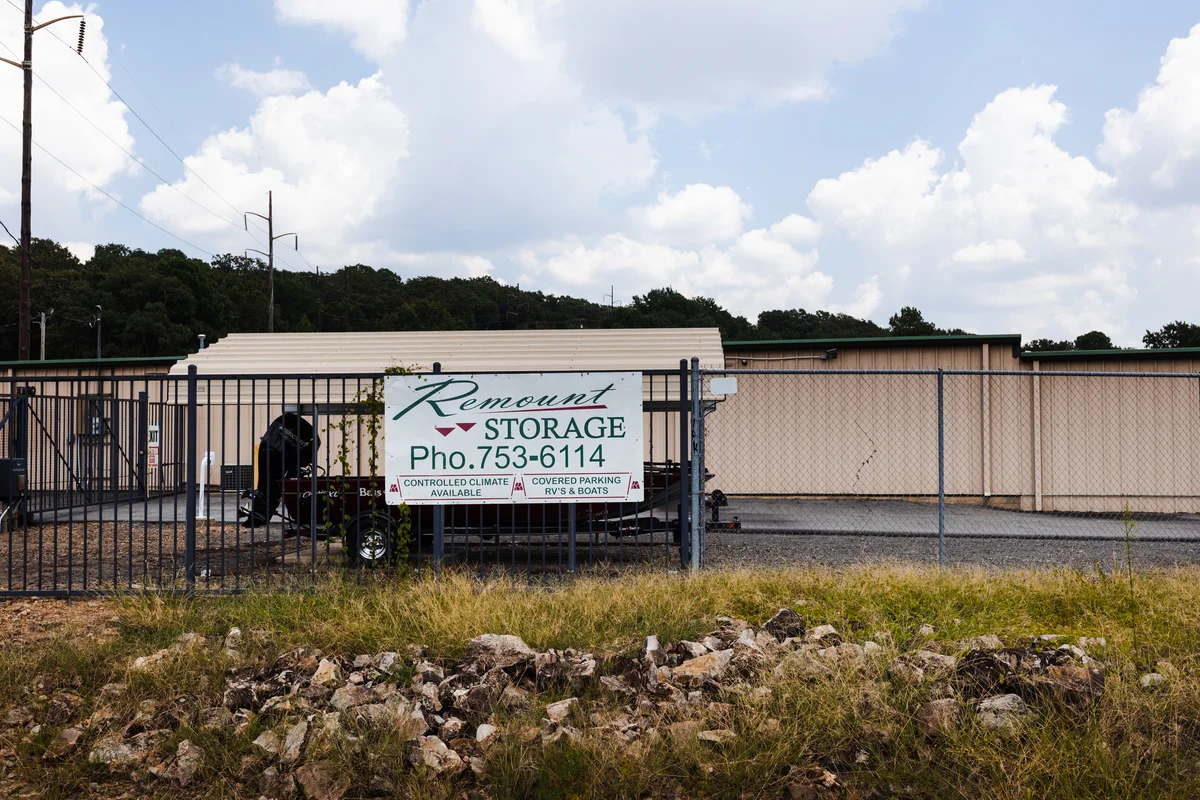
(230, 482)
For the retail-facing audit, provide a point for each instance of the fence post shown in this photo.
(698, 521)
(685, 535)
(439, 515)
(571, 532)
(312, 512)
(189, 544)
(143, 448)
(941, 470)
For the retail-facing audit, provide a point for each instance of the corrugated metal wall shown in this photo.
(1032, 441)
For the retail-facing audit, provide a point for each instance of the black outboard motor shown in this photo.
(285, 451)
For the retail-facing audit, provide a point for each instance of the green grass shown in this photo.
(1133, 743)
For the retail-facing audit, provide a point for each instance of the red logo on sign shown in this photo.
(636, 485)
(518, 487)
(466, 426)
(444, 431)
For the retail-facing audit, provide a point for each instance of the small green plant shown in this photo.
(369, 407)
(1130, 525)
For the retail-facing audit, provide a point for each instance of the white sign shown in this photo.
(152, 447)
(723, 385)
(529, 438)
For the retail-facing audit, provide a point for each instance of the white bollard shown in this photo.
(208, 460)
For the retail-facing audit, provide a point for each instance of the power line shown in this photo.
(139, 118)
(149, 100)
(161, 141)
(120, 147)
(76, 173)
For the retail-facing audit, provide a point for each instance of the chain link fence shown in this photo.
(992, 467)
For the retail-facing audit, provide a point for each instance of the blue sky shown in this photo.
(857, 156)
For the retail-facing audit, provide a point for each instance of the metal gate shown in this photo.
(135, 483)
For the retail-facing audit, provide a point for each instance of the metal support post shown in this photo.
(439, 514)
(143, 443)
(571, 537)
(19, 440)
(685, 485)
(697, 468)
(189, 545)
(941, 436)
(312, 520)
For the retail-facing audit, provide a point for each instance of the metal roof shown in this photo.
(89, 362)
(457, 351)
(935, 340)
(1105, 355)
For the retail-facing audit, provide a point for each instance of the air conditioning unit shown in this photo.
(236, 477)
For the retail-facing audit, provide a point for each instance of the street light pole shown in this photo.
(97, 333)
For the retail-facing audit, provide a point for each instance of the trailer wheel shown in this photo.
(370, 541)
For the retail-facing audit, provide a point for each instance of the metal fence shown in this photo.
(993, 467)
(228, 482)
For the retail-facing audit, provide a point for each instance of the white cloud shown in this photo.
(1055, 235)
(519, 134)
(264, 84)
(1156, 147)
(867, 298)
(697, 213)
(81, 250)
(760, 269)
(998, 250)
(684, 57)
(328, 157)
(376, 26)
(412, 265)
(61, 130)
(510, 26)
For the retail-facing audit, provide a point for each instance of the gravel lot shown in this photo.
(731, 548)
(778, 532)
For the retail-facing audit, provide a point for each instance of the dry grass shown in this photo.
(858, 724)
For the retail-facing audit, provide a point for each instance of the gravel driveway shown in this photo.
(783, 531)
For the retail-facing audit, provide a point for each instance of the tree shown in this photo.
(156, 304)
(1173, 334)
(910, 322)
(800, 324)
(1047, 345)
(667, 308)
(1093, 340)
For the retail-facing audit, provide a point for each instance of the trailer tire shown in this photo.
(370, 541)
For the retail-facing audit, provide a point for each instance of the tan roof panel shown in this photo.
(457, 351)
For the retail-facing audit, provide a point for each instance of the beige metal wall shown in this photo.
(1026, 440)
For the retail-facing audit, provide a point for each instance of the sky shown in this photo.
(1016, 166)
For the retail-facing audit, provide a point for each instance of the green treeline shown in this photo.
(157, 303)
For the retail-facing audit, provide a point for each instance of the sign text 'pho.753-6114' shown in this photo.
(514, 438)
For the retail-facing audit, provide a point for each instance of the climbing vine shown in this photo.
(367, 415)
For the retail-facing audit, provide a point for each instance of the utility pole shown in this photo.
(42, 357)
(270, 254)
(25, 317)
(97, 333)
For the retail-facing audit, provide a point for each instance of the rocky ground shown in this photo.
(866, 681)
(298, 714)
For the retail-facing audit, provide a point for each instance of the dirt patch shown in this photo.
(26, 623)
